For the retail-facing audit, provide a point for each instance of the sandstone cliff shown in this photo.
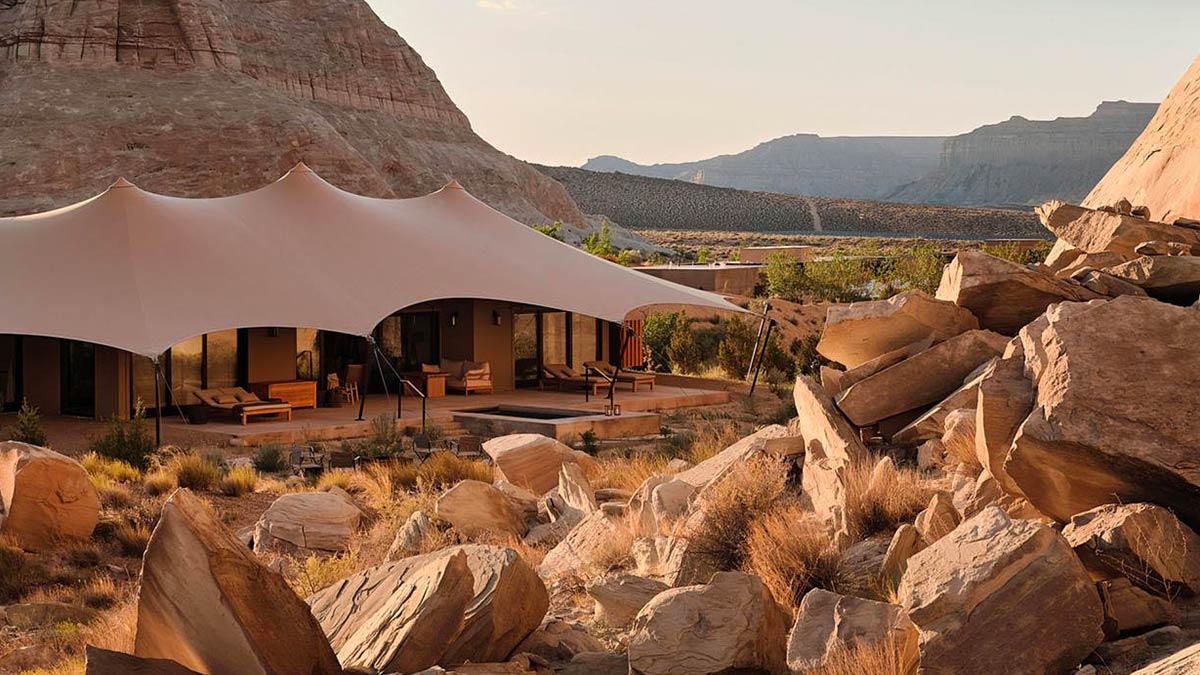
(211, 97)
(643, 203)
(1026, 162)
(1161, 170)
(865, 168)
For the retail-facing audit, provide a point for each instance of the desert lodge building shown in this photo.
(287, 283)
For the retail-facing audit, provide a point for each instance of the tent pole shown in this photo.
(157, 406)
(758, 366)
(404, 382)
(758, 338)
(612, 386)
(362, 395)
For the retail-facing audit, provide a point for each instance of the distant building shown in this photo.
(725, 279)
(760, 254)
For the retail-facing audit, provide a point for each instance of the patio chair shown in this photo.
(422, 447)
(350, 384)
(633, 378)
(468, 447)
(563, 377)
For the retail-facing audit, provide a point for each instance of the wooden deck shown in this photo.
(336, 423)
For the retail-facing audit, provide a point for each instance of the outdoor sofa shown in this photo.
(467, 376)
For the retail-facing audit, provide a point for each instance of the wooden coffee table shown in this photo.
(433, 384)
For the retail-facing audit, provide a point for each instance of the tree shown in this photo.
(28, 428)
(683, 351)
(785, 278)
(656, 338)
(733, 354)
(917, 268)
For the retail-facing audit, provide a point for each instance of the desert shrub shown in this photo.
(713, 438)
(839, 278)
(28, 427)
(629, 257)
(131, 537)
(752, 489)
(193, 471)
(238, 480)
(683, 352)
(917, 268)
(879, 502)
(385, 439)
(808, 359)
(83, 554)
(129, 440)
(737, 345)
(159, 482)
(792, 554)
(100, 593)
(318, 572)
(552, 230)
(704, 255)
(445, 469)
(115, 495)
(656, 338)
(17, 571)
(589, 442)
(599, 243)
(270, 458)
(114, 470)
(1014, 252)
(784, 277)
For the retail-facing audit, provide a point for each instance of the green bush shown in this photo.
(785, 278)
(385, 440)
(656, 338)
(808, 359)
(840, 278)
(917, 268)
(736, 348)
(1012, 251)
(28, 428)
(127, 440)
(552, 230)
(683, 351)
(589, 442)
(600, 243)
(630, 257)
(270, 458)
(704, 255)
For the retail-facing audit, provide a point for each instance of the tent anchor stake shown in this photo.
(758, 366)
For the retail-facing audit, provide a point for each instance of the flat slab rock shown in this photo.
(859, 332)
(104, 662)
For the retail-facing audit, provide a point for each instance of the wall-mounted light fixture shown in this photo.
(495, 318)
(273, 332)
(453, 319)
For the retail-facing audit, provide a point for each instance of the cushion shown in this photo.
(247, 397)
(430, 368)
(225, 399)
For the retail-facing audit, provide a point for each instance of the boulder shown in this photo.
(312, 521)
(1090, 260)
(590, 544)
(1003, 294)
(45, 497)
(861, 331)
(730, 623)
(575, 489)
(906, 542)
(831, 446)
(828, 624)
(721, 463)
(1116, 418)
(931, 454)
(410, 536)
(464, 603)
(1174, 279)
(558, 642)
(1093, 231)
(1005, 399)
(678, 561)
(994, 583)
(206, 602)
(1128, 608)
(921, 380)
(931, 424)
(1142, 542)
(1162, 248)
(99, 661)
(472, 507)
(619, 598)
(846, 379)
(958, 439)
(1183, 662)
(659, 501)
(938, 519)
(1106, 284)
(531, 461)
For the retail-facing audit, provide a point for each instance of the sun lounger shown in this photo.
(632, 378)
(242, 404)
(563, 377)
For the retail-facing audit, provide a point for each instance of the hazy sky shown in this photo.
(559, 81)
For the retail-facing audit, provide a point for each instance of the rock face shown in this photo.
(993, 583)
(1003, 295)
(1162, 168)
(105, 662)
(828, 623)
(424, 610)
(1142, 542)
(731, 623)
(861, 331)
(1095, 232)
(1022, 162)
(1183, 662)
(266, 85)
(1112, 423)
(315, 521)
(44, 496)
(206, 602)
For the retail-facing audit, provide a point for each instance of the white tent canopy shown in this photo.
(141, 272)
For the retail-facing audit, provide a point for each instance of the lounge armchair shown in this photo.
(241, 403)
(468, 376)
(563, 377)
(632, 378)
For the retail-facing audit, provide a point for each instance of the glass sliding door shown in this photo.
(525, 349)
(308, 354)
(186, 370)
(584, 341)
(419, 339)
(10, 373)
(554, 337)
(78, 378)
(221, 359)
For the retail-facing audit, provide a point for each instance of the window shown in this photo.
(220, 359)
(187, 370)
(583, 341)
(308, 353)
(554, 337)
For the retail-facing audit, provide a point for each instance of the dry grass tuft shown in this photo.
(879, 506)
(100, 593)
(159, 482)
(83, 554)
(238, 480)
(341, 478)
(885, 658)
(444, 469)
(131, 537)
(317, 572)
(193, 471)
(627, 473)
(792, 553)
(750, 491)
(712, 440)
(17, 572)
(114, 495)
(112, 470)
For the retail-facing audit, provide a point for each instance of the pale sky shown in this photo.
(559, 81)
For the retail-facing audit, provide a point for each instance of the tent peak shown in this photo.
(301, 167)
(121, 183)
(454, 185)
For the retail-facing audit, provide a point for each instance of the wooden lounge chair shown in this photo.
(563, 377)
(632, 378)
(241, 403)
